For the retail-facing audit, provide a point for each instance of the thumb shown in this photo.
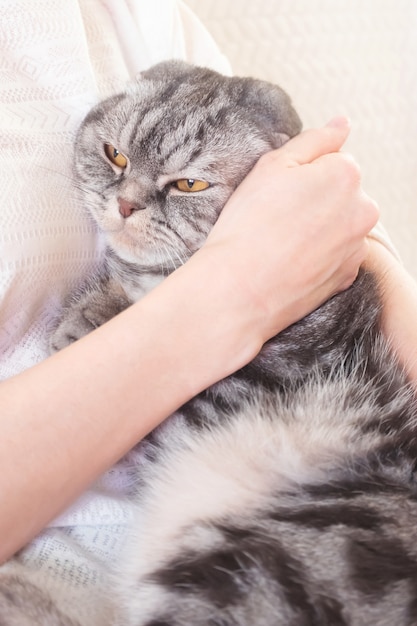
(314, 143)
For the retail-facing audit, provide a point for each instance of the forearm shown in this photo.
(399, 293)
(83, 408)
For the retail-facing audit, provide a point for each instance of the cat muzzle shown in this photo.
(126, 207)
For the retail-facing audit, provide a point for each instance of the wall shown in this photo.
(356, 57)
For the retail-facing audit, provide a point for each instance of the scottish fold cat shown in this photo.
(284, 495)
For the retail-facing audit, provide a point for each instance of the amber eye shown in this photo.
(189, 184)
(114, 156)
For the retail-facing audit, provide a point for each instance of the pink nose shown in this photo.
(126, 207)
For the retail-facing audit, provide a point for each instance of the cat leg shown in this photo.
(90, 308)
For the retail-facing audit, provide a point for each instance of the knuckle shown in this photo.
(269, 158)
(375, 211)
(367, 214)
(349, 171)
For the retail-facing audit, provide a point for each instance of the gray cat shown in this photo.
(285, 495)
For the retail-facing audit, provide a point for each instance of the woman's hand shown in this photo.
(294, 232)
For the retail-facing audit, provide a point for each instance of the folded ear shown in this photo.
(270, 109)
(265, 105)
(167, 71)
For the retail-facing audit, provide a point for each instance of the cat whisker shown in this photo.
(68, 176)
(180, 258)
(164, 248)
(166, 261)
(168, 257)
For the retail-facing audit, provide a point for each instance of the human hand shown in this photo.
(294, 232)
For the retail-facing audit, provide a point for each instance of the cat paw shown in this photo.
(70, 329)
(92, 309)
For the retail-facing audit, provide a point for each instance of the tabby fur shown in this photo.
(284, 495)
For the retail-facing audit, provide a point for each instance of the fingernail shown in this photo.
(339, 122)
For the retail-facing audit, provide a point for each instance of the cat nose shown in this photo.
(126, 207)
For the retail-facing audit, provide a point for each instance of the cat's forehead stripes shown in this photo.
(178, 116)
(176, 139)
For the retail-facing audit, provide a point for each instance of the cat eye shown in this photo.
(114, 156)
(189, 184)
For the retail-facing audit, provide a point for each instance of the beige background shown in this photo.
(357, 57)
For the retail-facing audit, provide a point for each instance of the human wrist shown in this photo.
(203, 304)
(247, 308)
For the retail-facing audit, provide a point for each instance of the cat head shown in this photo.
(157, 163)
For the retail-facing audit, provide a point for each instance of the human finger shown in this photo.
(312, 143)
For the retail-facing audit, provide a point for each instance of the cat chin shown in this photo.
(125, 245)
(128, 249)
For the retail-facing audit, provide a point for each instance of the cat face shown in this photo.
(157, 163)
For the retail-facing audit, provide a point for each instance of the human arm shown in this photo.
(290, 236)
(399, 295)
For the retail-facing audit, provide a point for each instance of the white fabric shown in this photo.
(58, 58)
(380, 234)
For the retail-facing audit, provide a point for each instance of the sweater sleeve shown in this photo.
(380, 234)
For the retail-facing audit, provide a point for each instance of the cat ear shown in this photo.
(266, 105)
(270, 109)
(166, 71)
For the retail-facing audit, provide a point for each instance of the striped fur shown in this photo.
(284, 495)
